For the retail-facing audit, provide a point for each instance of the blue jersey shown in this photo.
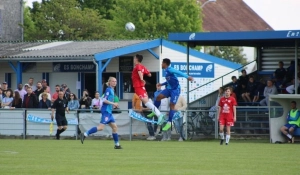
(108, 95)
(172, 80)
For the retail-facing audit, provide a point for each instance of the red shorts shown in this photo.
(226, 121)
(141, 92)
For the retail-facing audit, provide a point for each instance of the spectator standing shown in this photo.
(55, 94)
(290, 74)
(39, 89)
(96, 102)
(66, 90)
(6, 101)
(165, 106)
(85, 101)
(4, 88)
(269, 89)
(44, 90)
(45, 84)
(180, 106)
(60, 105)
(30, 100)
(279, 74)
(1, 96)
(234, 84)
(30, 83)
(151, 129)
(45, 103)
(243, 81)
(17, 101)
(73, 102)
(21, 91)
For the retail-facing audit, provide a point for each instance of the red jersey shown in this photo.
(137, 82)
(227, 105)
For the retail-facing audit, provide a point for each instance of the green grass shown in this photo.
(52, 157)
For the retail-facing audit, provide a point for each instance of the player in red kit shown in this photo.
(227, 114)
(138, 81)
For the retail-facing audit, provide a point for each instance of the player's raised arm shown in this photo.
(177, 72)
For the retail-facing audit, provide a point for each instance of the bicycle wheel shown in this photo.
(189, 130)
(207, 125)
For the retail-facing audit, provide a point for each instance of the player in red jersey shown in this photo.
(138, 81)
(227, 114)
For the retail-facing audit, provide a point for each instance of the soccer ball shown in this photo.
(130, 26)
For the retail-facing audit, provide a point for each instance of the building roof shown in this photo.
(231, 15)
(59, 49)
(284, 38)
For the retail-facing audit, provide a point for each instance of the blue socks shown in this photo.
(116, 138)
(157, 103)
(171, 114)
(92, 130)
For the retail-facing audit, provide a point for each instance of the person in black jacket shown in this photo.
(30, 100)
(45, 103)
(17, 101)
(250, 90)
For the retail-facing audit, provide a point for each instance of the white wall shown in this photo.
(220, 70)
(149, 61)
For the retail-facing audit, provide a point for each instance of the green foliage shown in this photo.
(103, 6)
(29, 25)
(234, 54)
(155, 18)
(65, 20)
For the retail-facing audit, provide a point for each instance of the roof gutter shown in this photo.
(48, 59)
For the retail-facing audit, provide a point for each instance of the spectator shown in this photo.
(30, 83)
(26, 87)
(291, 88)
(73, 102)
(152, 130)
(232, 94)
(96, 102)
(66, 90)
(21, 91)
(279, 74)
(45, 103)
(44, 90)
(165, 106)
(6, 101)
(234, 84)
(269, 89)
(55, 94)
(1, 96)
(243, 81)
(4, 88)
(39, 89)
(180, 106)
(259, 90)
(85, 101)
(17, 101)
(213, 109)
(293, 121)
(136, 103)
(250, 90)
(44, 84)
(30, 100)
(290, 74)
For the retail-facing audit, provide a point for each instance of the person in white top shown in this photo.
(96, 102)
(291, 88)
(180, 106)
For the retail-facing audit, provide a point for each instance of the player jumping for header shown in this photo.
(227, 114)
(172, 90)
(137, 76)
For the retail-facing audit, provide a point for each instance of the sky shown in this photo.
(279, 14)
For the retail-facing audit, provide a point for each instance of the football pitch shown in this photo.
(52, 157)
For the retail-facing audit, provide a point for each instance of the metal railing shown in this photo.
(15, 122)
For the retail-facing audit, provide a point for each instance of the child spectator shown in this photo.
(259, 90)
(250, 90)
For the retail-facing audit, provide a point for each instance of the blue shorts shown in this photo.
(173, 93)
(291, 126)
(107, 118)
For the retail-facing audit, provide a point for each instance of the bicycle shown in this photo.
(197, 123)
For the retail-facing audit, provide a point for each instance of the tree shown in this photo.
(234, 54)
(155, 18)
(65, 20)
(29, 25)
(103, 6)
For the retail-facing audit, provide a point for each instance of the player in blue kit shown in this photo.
(172, 90)
(106, 111)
